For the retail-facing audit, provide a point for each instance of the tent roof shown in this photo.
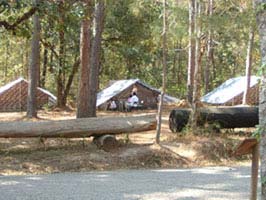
(120, 85)
(10, 85)
(228, 90)
(13, 83)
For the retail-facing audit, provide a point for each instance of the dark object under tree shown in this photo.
(106, 142)
(224, 117)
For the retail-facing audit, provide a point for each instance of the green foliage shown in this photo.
(132, 41)
(259, 131)
(127, 39)
(262, 69)
(263, 180)
(260, 8)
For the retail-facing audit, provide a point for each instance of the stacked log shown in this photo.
(225, 117)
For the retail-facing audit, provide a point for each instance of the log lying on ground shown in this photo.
(225, 117)
(76, 128)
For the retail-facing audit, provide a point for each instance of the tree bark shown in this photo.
(231, 117)
(34, 65)
(254, 172)
(44, 69)
(7, 55)
(191, 50)
(261, 22)
(164, 35)
(70, 81)
(78, 128)
(85, 51)
(209, 51)
(95, 57)
(197, 70)
(61, 74)
(51, 60)
(248, 65)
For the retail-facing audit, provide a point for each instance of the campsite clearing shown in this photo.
(39, 156)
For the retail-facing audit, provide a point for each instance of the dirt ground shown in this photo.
(38, 156)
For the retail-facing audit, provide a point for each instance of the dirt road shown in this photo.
(210, 183)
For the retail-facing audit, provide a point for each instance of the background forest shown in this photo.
(131, 43)
(74, 48)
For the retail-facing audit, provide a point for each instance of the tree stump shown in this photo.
(106, 142)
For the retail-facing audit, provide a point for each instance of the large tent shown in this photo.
(121, 89)
(231, 92)
(13, 96)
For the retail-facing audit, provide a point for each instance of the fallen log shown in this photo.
(224, 117)
(76, 128)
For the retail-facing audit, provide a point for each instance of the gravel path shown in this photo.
(213, 183)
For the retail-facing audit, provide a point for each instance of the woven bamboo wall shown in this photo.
(15, 98)
(253, 97)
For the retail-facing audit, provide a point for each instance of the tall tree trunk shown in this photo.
(159, 116)
(70, 80)
(44, 69)
(209, 51)
(51, 60)
(38, 69)
(60, 75)
(197, 72)
(214, 73)
(248, 65)
(95, 56)
(7, 58)
(261, 22)
(174, 69)
(26, 60)
(34, 65)
(191, 51)
(85, 50)
(179, 69)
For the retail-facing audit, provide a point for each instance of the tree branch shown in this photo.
(21, 19)
(50, 46)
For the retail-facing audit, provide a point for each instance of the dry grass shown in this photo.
(35, 156)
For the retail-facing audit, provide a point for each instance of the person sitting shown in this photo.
(128, 103)
(112, 105)
(134, 100)
(129, 99)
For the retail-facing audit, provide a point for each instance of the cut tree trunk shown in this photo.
(233, 117)
(106, 142)
(78, 128)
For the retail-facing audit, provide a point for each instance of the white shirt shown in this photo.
(134, 100)
(113, 105)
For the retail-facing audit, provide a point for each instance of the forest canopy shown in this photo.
(131, 42)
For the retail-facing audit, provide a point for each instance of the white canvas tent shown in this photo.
(231, 92)
(122, 88)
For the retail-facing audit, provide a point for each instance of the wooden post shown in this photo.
(251, 145)
(254, 171)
